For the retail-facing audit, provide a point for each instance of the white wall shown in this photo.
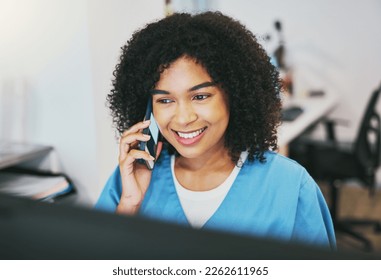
(56, 61)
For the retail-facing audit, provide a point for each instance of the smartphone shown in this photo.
(153, 130)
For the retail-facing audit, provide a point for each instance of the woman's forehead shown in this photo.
(184, 72)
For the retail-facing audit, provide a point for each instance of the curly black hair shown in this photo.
(232, 57)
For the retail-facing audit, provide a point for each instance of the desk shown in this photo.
(15, 153)
(314, 109)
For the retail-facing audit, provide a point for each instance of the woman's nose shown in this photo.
(185, 114)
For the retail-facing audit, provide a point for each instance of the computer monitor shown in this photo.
(38, 230)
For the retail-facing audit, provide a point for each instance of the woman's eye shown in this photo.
(164, 101)
(200, 97)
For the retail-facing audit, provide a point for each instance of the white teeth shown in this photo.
(190, 135)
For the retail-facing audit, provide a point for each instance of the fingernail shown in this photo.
(146, 121)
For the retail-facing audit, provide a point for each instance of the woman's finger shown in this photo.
(131, 141)
(133, 155)
(136, 127)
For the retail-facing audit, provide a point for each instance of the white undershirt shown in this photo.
(199, 206)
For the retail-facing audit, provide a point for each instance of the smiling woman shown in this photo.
(215, 99)
(193, 114)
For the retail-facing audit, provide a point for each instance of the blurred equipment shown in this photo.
(168, 8)
(289, 114)
(20, 174)
(279, 52)
(35, 184)
(333, 161)
(280, 57)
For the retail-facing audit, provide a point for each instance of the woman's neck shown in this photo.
(205, 172)
(211, 160)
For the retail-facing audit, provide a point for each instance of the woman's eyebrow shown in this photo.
(202, 85)
(158, 91)
(196, 87)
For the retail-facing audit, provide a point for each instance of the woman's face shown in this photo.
(191, 111)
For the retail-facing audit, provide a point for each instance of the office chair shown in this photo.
(333, 161)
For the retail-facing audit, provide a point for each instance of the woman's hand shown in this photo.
(135, 177)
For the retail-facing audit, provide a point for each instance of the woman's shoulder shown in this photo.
(281, 168)
(283, 161)
(275, 159)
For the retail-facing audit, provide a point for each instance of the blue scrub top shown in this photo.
(277, 199)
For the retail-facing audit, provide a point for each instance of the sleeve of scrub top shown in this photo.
(313, 223)
(110, 196)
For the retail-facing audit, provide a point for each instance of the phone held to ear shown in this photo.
(153, 130)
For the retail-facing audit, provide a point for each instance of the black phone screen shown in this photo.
(153, 130)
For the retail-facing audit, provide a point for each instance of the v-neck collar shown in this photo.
(220, 213)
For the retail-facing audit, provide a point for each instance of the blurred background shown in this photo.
(57, 59)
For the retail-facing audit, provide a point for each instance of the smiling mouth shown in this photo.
(190, 135)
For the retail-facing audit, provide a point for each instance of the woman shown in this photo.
(215, 98)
